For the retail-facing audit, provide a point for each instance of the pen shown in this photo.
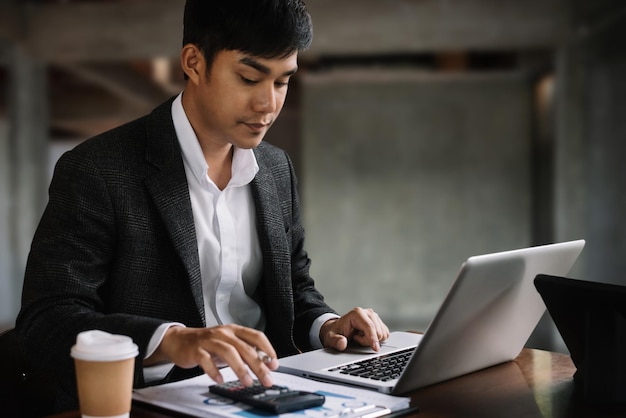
(263, 356)
(403, 412)
(365, 411)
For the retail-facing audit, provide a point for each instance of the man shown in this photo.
(182, 229)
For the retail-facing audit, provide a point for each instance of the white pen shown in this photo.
(263, 356)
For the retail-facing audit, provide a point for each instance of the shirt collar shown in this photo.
(244, 166)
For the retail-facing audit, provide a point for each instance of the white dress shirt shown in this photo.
(228, 244)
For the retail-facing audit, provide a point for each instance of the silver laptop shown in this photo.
(486, 319)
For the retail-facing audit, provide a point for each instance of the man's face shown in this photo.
(239, 98)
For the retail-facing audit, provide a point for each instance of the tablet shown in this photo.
(591, 318)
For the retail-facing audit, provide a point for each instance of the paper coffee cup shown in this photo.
(105, 366)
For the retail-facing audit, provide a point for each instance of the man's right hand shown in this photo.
(234, 345)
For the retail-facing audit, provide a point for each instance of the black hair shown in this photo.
(262, 28)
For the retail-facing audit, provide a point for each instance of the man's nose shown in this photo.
(265, 100)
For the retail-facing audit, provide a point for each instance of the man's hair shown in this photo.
(262, 28)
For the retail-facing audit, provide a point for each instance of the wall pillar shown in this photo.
(591, 143)
(24, 161)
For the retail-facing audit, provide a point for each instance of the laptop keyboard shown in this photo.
(383, 368)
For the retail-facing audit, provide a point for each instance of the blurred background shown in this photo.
(423, 132)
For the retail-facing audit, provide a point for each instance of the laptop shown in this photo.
(485, 319)
(591, 318)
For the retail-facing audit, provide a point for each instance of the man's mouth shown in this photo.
(256, 127)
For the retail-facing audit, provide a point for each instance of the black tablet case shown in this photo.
(591, 318)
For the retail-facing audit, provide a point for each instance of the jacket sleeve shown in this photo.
(66, 281)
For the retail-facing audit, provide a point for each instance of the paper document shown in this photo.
(192, 397)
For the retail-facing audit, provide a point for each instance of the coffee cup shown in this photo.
(105, 366)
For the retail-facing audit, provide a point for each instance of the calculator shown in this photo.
(275, 399)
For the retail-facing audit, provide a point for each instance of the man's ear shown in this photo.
(192, 62)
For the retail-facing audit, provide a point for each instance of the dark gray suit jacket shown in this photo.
(116, 247)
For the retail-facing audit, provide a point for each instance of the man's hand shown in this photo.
(232, 344)
(361, 325)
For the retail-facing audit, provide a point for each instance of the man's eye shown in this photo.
(248, 81)
(281, 84)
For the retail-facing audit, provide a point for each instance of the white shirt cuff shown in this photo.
(159, 371)
(314, 333)
(158, 335)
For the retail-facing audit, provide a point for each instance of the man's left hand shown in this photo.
(363, 326)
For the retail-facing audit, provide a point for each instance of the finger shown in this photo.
(261, 365)
(270, 363)
(273, 365)
(383, 336)
(382, 331)
(385, 332)
(207, 364)
(256, 364)
(230, 354)
(219, 363)
(337, 341)
(248, 342)
(368, 334)
(257, 340)
(262, 373)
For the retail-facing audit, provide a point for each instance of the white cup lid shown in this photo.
(98, 345)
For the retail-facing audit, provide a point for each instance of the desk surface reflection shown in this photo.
(536, 384)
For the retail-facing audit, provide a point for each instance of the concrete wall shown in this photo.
(606, 227)
(7, 286)
(591, 143)
(405, 175)
(24, 141)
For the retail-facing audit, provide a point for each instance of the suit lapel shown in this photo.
(278, 292)
(170, 193)
(270, 223)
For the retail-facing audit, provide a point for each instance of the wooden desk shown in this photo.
(537, 384)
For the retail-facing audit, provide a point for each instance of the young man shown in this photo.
(182, 229)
